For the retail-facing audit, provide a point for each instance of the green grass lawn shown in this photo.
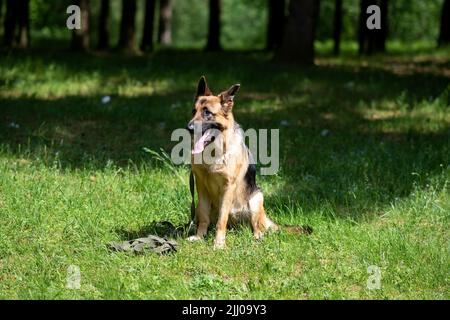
(365, 161)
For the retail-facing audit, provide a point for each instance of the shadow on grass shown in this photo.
(163, 229)
(82, 132)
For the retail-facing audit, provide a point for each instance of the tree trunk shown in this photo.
(1, 9)
(275, 24)
(213, 43)
(165, 22)
(23, 17)
(147, 37)
(299, 33)
(363, 32)
(10, 23)
(444, 35)
(80, 38)
(127, 25)
(337, 29)
(381, 35)
(372, 41)
(103, 29)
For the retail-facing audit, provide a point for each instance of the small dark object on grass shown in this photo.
(150, 243)
(157, 239)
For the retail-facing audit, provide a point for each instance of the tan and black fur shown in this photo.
(227, 190)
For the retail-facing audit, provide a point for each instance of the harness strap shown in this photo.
(192, 189)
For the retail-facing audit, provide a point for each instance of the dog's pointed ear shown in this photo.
(202, 88)
(227, 97)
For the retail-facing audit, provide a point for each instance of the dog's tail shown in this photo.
(270, 225)
(306, 230)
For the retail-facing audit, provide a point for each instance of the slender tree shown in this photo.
(80, 37)
(10, 23)
(381, 35)
(337, 27)
(1, 9)
(372, 41)
(127, 25)
(276, 11)
(149, 19)
(165, 22)
(444, 35)
(213, 43)
(363, 32)
(23, 19)
(299, 33)
(103, 29)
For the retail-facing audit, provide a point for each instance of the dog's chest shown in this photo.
(215, 189)
(214, 185)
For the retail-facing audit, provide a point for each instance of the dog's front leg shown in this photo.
(202, 213)
(224, 212)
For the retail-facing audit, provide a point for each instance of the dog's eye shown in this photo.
(206, 112)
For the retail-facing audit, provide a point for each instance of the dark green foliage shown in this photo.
(244, 22)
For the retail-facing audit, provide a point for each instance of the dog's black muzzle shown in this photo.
(205, 126)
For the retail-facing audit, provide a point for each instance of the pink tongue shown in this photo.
(200, 144)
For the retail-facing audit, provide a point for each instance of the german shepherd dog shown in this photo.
(226, 187)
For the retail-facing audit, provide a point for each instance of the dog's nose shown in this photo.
(190, 127)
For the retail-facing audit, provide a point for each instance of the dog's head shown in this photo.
(211, 112)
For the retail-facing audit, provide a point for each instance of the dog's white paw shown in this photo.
(219, 244)
(194, 238)
(258, 235)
